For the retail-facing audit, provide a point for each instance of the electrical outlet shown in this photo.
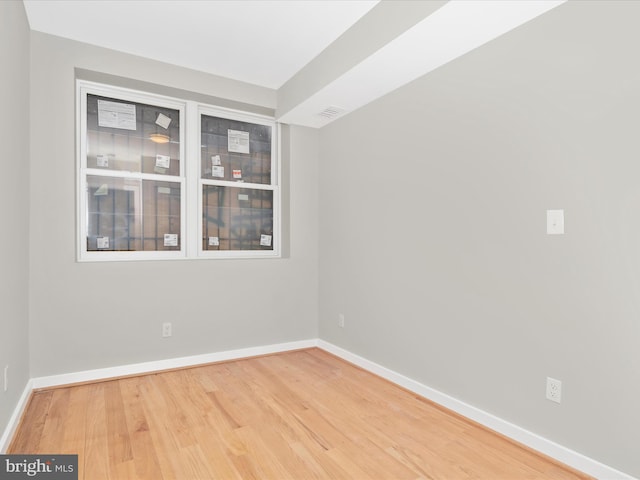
(554, 390)
(341, 320)
(6, 378)
(166, 329)
(555, 222)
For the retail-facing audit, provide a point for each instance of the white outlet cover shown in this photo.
(166, 329)
(554, 390)
(555, 222)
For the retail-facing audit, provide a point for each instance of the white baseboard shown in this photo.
(525, 437)
(530, 439)
(148, 367)
(14, 420)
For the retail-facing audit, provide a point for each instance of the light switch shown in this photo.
(555, 222)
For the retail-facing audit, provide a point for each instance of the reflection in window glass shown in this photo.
(127, 214)
(135, 141)
(233, 150)
(237, 218)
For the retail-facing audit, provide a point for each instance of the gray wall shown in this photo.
(432, 229)
(92, 315)
(14, 204)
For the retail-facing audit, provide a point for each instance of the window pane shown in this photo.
(132, 215)
(237, 218)
(120, 136)
(235, 151)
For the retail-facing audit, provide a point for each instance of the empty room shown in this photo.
(354, 239)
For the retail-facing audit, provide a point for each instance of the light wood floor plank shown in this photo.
(27, 438)
(56, 421)
(147, 464)
(95, 463)
(297, 415)
(159, 432)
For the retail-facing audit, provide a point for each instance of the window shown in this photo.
(237, 184)
(154, 185)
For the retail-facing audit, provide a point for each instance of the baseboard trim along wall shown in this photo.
(525, 437)
(146, 367)
(14, 420)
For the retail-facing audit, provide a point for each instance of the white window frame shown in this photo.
(191, 183)
(274, 186)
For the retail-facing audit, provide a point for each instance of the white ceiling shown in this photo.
(267, 42)
(264, 42)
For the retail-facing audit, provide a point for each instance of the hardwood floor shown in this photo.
(295, 415)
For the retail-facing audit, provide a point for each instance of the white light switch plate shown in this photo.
(555, 222)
